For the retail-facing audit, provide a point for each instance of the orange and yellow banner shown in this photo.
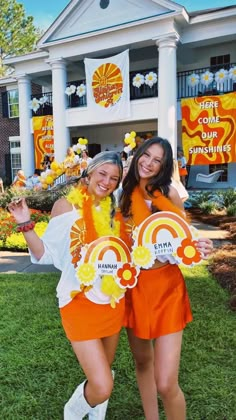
(209, 129)
(43, 138)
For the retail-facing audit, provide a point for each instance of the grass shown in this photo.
(38, 370)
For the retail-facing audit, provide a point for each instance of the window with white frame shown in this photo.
(15, 155)
(13, 103)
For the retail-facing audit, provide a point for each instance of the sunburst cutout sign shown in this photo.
(165, 233)
(107, 85)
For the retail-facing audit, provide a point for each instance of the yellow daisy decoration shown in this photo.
(142, 256)
(86, 274)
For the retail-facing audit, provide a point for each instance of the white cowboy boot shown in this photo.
(99, 412)
(77, 407)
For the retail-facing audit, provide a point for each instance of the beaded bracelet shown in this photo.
(25, 226)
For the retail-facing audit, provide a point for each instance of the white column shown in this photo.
(167, 89)
(25, 115)
(61, 132)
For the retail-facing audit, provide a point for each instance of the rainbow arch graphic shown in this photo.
(149, 229)
(97, 249)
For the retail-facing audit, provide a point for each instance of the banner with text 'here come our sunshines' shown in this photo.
(209, 129)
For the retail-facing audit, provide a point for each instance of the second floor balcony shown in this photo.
(144, 84)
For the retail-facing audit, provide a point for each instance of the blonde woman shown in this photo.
(91, 317)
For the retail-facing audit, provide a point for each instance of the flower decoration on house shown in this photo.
(130, 142)
(127, 276)
(81, 90)
(221, 76)
(206, 78)
(232, 73)
(188, 253)
(150, 79)
(138, 80)
(43, 100)
(193, 80)
(70, 90)
(48, 177)
(81, 145)
(34, 104)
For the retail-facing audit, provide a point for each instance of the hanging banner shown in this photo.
(43, 139)
(209, 130)
(107, 81)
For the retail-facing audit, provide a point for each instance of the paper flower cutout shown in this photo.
(187, 252)
(138, 80)
(70, 90)
(81, 90)
(86, 274)
(34, 104)
(127, 276)
(110, 288)
(207, 78)
(43, 100)
(151, 79)
(221, 76)
(142, 257)
(232, 73)
(193, 80)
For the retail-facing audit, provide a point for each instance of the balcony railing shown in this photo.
(145, 90)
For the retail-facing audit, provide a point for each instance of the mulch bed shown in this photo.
(223, 265)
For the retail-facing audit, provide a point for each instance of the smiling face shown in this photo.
(149, 164)
(103, 180)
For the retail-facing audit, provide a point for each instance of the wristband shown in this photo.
(25, 226)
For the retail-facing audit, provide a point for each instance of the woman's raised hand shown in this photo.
(19, 209)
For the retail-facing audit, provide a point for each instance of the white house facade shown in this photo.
(161, 38)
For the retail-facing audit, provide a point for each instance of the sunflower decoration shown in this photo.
(142, 257)
(130, 142)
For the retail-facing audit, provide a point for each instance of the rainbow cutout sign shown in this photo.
(162, 234)
(107, 256)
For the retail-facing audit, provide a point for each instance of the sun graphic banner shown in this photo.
(107, 81)
(165, 234)
(209, 130)
(43, 138)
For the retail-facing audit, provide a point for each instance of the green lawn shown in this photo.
(38, 370)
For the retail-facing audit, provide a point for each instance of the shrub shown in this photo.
(231, 210)
(207, 207)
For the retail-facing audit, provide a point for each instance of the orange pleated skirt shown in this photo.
(159, 304)
(85, 320)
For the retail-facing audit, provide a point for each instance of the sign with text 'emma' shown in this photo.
(209, 130)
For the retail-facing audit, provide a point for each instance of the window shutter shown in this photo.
(5, 105)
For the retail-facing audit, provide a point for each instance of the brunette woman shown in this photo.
(92, 314)
(158, 308)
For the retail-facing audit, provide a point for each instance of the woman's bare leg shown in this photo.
(167, 352)
(143, 354)
(95, 358)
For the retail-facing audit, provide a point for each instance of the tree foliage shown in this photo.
(18, 35)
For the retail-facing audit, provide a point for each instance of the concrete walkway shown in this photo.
(19, 262)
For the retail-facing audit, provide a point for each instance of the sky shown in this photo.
(46, 11)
